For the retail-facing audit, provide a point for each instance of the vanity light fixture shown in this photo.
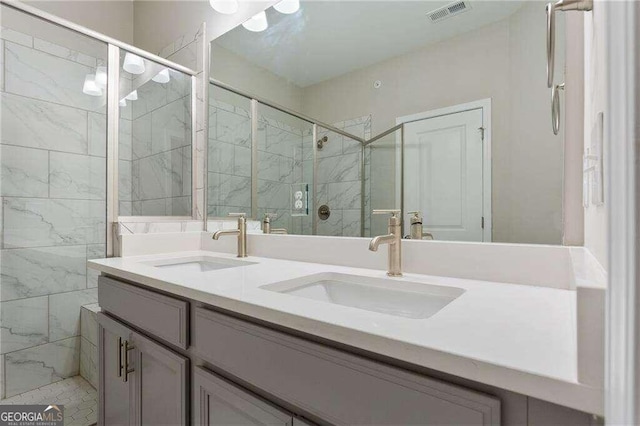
(287, 6)
(162, 77)
(257, 22)
(133, 64)
(226, 7)
(90, 87)
(101, 77)
(123, 102)
(133, 96)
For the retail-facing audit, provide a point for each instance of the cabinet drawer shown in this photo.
(333, 385)
(160, 315)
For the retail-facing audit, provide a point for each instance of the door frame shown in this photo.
(485, 106)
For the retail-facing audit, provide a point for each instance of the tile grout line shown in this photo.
(20, 95)
(48, 294)
(5, 143)
(33, 47)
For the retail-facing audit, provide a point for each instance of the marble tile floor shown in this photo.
(79, 398)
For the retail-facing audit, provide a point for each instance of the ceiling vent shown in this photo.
(448, 11)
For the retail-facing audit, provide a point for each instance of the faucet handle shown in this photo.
(392, 212)
(270, 216)
(243, 215)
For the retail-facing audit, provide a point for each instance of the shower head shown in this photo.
(322, 141)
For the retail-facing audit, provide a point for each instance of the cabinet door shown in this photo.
(161, 377)
(218, 402)
(115, 395)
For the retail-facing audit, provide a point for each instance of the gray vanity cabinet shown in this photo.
(218, 402)
(141, 382)
(116, 396)
(332, 385)
(161, 380)
(189, 363)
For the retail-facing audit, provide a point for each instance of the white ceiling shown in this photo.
(325, 39)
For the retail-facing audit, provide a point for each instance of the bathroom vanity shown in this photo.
(203, 338)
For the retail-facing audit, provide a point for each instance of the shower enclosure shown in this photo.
(91, 129)
(312, 178)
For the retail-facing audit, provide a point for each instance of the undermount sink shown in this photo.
(387, 296)
(198, 263)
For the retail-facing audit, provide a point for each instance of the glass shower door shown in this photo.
(285, 170)
(382, 180)
(53, 193)
(339, 186)
(229, 154)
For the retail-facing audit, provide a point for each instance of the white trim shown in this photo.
(485, 105)
(622, 398)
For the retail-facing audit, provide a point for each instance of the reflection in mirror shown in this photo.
(229, 154)
(154, 149)
(339, 179)
(468, 89)
(382, 158)
(284, 170)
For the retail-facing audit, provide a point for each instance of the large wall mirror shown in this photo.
(343, 107)
(154, 140)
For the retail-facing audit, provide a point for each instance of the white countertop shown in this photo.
(516, 337)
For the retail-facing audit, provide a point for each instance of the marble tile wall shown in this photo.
(229, 159)
(280, 165)
(89, 343)
(160, 156)
(339, 179)
(125, 152)
(53, 208)
(280, 171)
(192, 50)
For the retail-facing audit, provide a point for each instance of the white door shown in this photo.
(443, 175)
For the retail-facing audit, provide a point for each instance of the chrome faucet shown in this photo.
(241, 232)
(266, 225)
(416, 232)
(394, 239)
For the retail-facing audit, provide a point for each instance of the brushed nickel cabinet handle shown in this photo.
(127, 370)
(119, 356)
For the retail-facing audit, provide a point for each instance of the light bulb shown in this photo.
(133, 64)
(133, 96)
(101, 77)
(257, 23)
(123, 102)
(226, 7)
(287, 6)
(162, 77)
(90, 87)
